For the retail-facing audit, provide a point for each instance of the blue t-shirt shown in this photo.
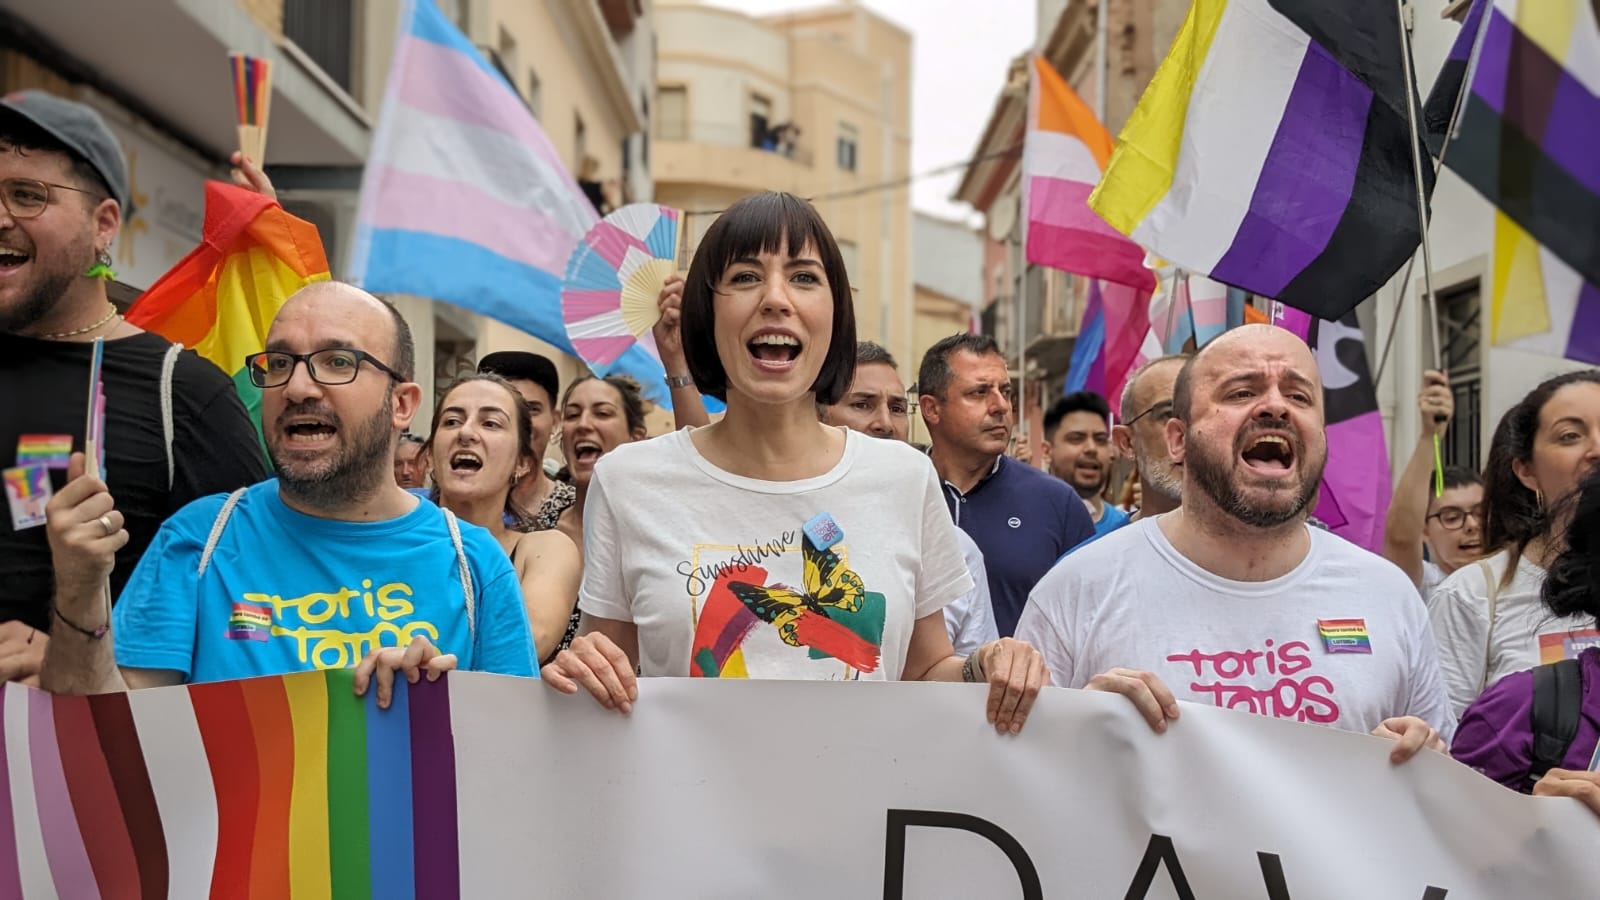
(1111, 518)
(287, 592)
(1023, 520)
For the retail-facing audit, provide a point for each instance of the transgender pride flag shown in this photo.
(465, 199)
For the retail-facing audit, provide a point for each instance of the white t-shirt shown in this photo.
(970, 618)
(1474, 654)
(733, 577)
(1432, 575)
(1341, 640)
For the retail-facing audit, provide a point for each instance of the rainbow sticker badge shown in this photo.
(50, 450)
(1344, 635)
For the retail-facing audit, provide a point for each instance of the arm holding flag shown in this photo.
(1408, 511)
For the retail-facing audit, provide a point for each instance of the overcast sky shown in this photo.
(961, 49)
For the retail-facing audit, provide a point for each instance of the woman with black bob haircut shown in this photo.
(767, 544)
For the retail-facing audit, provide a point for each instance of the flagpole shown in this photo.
(1438, 166)
(1416, 169)
(1101, 61)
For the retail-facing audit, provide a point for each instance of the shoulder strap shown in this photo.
(465, 571)
(216, 530)
(1557, 707)
(168, 364)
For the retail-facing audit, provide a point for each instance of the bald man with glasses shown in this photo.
(330, 565)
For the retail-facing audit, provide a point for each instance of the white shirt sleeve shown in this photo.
(970, 617)
(604, 592)
(1459, 611)
(942, 576)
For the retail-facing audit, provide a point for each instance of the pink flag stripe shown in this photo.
(579, 305)
(1057, 201)
(612, 243)
(1074, 250)
(603, 351)
(412, 202)
(10, 874)
(1208, 301)
(58, 826)
(441, 81)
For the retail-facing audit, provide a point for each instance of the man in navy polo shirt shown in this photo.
(1022, 519)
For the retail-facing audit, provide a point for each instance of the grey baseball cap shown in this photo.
(82, 130)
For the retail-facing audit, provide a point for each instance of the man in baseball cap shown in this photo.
(174, 427)
(536, 379)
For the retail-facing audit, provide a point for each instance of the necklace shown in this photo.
(112, 314)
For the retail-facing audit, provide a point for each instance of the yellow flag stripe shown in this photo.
(1146, 158)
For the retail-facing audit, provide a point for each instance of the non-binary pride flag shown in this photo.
(1063, 153)
(222, 297)
(1527, 140)
(1271, 152)
(465, 199)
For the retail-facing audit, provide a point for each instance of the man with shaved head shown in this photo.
(1146, 407)
(1231, 599)
(329, 565)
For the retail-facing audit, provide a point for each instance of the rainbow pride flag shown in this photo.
(268, 788)
(221, 298)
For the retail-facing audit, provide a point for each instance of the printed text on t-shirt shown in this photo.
(343, 645)
(697, 579)
(1302, 699)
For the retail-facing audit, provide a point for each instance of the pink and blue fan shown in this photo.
(613, 279)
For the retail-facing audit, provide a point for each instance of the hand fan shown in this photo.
(613, 279)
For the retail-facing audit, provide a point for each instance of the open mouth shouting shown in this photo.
(1269, 454)
(465, 462)
(309, 432)
(12, 261)
(774, 350)
(586, 452)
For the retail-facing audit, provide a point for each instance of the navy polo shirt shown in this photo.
(1023, 520)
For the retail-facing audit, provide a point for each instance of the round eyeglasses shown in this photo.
(25, 198)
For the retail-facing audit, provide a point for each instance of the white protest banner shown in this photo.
(483, 786)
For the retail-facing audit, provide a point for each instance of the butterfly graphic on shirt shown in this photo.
(808, 617)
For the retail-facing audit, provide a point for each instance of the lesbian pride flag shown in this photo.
(222, 297)
(465, 199)
(1063, 153)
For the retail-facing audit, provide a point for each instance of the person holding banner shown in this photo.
(481, 447)
(1500, 733)
(767, 544)
(330, 565)
(1233, 599)
(1487, 616)
(1447, 521)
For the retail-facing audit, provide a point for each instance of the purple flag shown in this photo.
(1355, 484)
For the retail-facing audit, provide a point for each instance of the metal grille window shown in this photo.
(847, 146)
(1460, 321)
(325, 30)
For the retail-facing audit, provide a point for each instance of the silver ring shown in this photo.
(105, 522)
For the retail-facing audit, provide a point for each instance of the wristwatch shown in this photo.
(679, 381)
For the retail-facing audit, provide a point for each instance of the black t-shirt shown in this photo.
(44, 389)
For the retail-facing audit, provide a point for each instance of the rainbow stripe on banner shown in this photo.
(276, 787)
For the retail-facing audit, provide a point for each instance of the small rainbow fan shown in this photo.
(252, 100)
(614, 277)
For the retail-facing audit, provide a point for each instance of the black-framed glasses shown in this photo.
(335, 366)
(25, 198)
(1162, 411)
(1453, 517)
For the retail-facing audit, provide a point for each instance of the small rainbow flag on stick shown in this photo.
(252, 98)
